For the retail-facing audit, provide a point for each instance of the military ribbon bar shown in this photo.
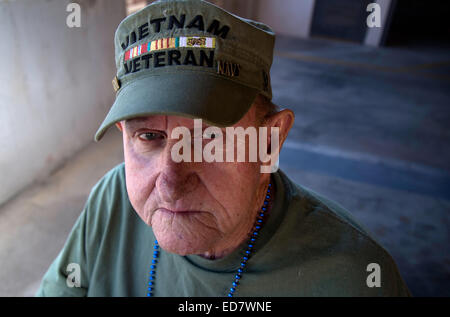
(173, 42)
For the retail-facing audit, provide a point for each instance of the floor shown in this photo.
(371, 132)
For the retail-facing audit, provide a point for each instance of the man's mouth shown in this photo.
(179, 211)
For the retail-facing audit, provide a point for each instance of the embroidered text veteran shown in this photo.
(135, 58)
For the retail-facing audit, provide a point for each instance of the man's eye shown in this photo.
(150, 136)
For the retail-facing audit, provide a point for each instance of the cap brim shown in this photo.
(218, 101)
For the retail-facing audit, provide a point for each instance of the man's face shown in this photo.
(193, 207)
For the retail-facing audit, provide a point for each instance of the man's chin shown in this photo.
(183, 235)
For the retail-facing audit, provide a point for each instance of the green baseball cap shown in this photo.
(189, 58)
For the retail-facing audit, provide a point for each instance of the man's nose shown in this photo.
(176, 179)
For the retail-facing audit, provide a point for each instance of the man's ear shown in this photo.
(119, 126)
(283, 120)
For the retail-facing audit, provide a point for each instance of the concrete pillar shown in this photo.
(55, 84)
(376, 35)
(286, 17)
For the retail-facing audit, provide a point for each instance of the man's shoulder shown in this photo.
(110, 188)
(326, 216)
(108, 197)
(112, 180)
(334, 245)
(335, 214)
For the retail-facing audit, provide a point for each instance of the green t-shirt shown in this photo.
(309, 246)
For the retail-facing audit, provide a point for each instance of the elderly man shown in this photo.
(183, 217)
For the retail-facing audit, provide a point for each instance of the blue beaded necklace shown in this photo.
(245, 258)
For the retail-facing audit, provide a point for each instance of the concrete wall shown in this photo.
(286, 17)
(55, 84)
